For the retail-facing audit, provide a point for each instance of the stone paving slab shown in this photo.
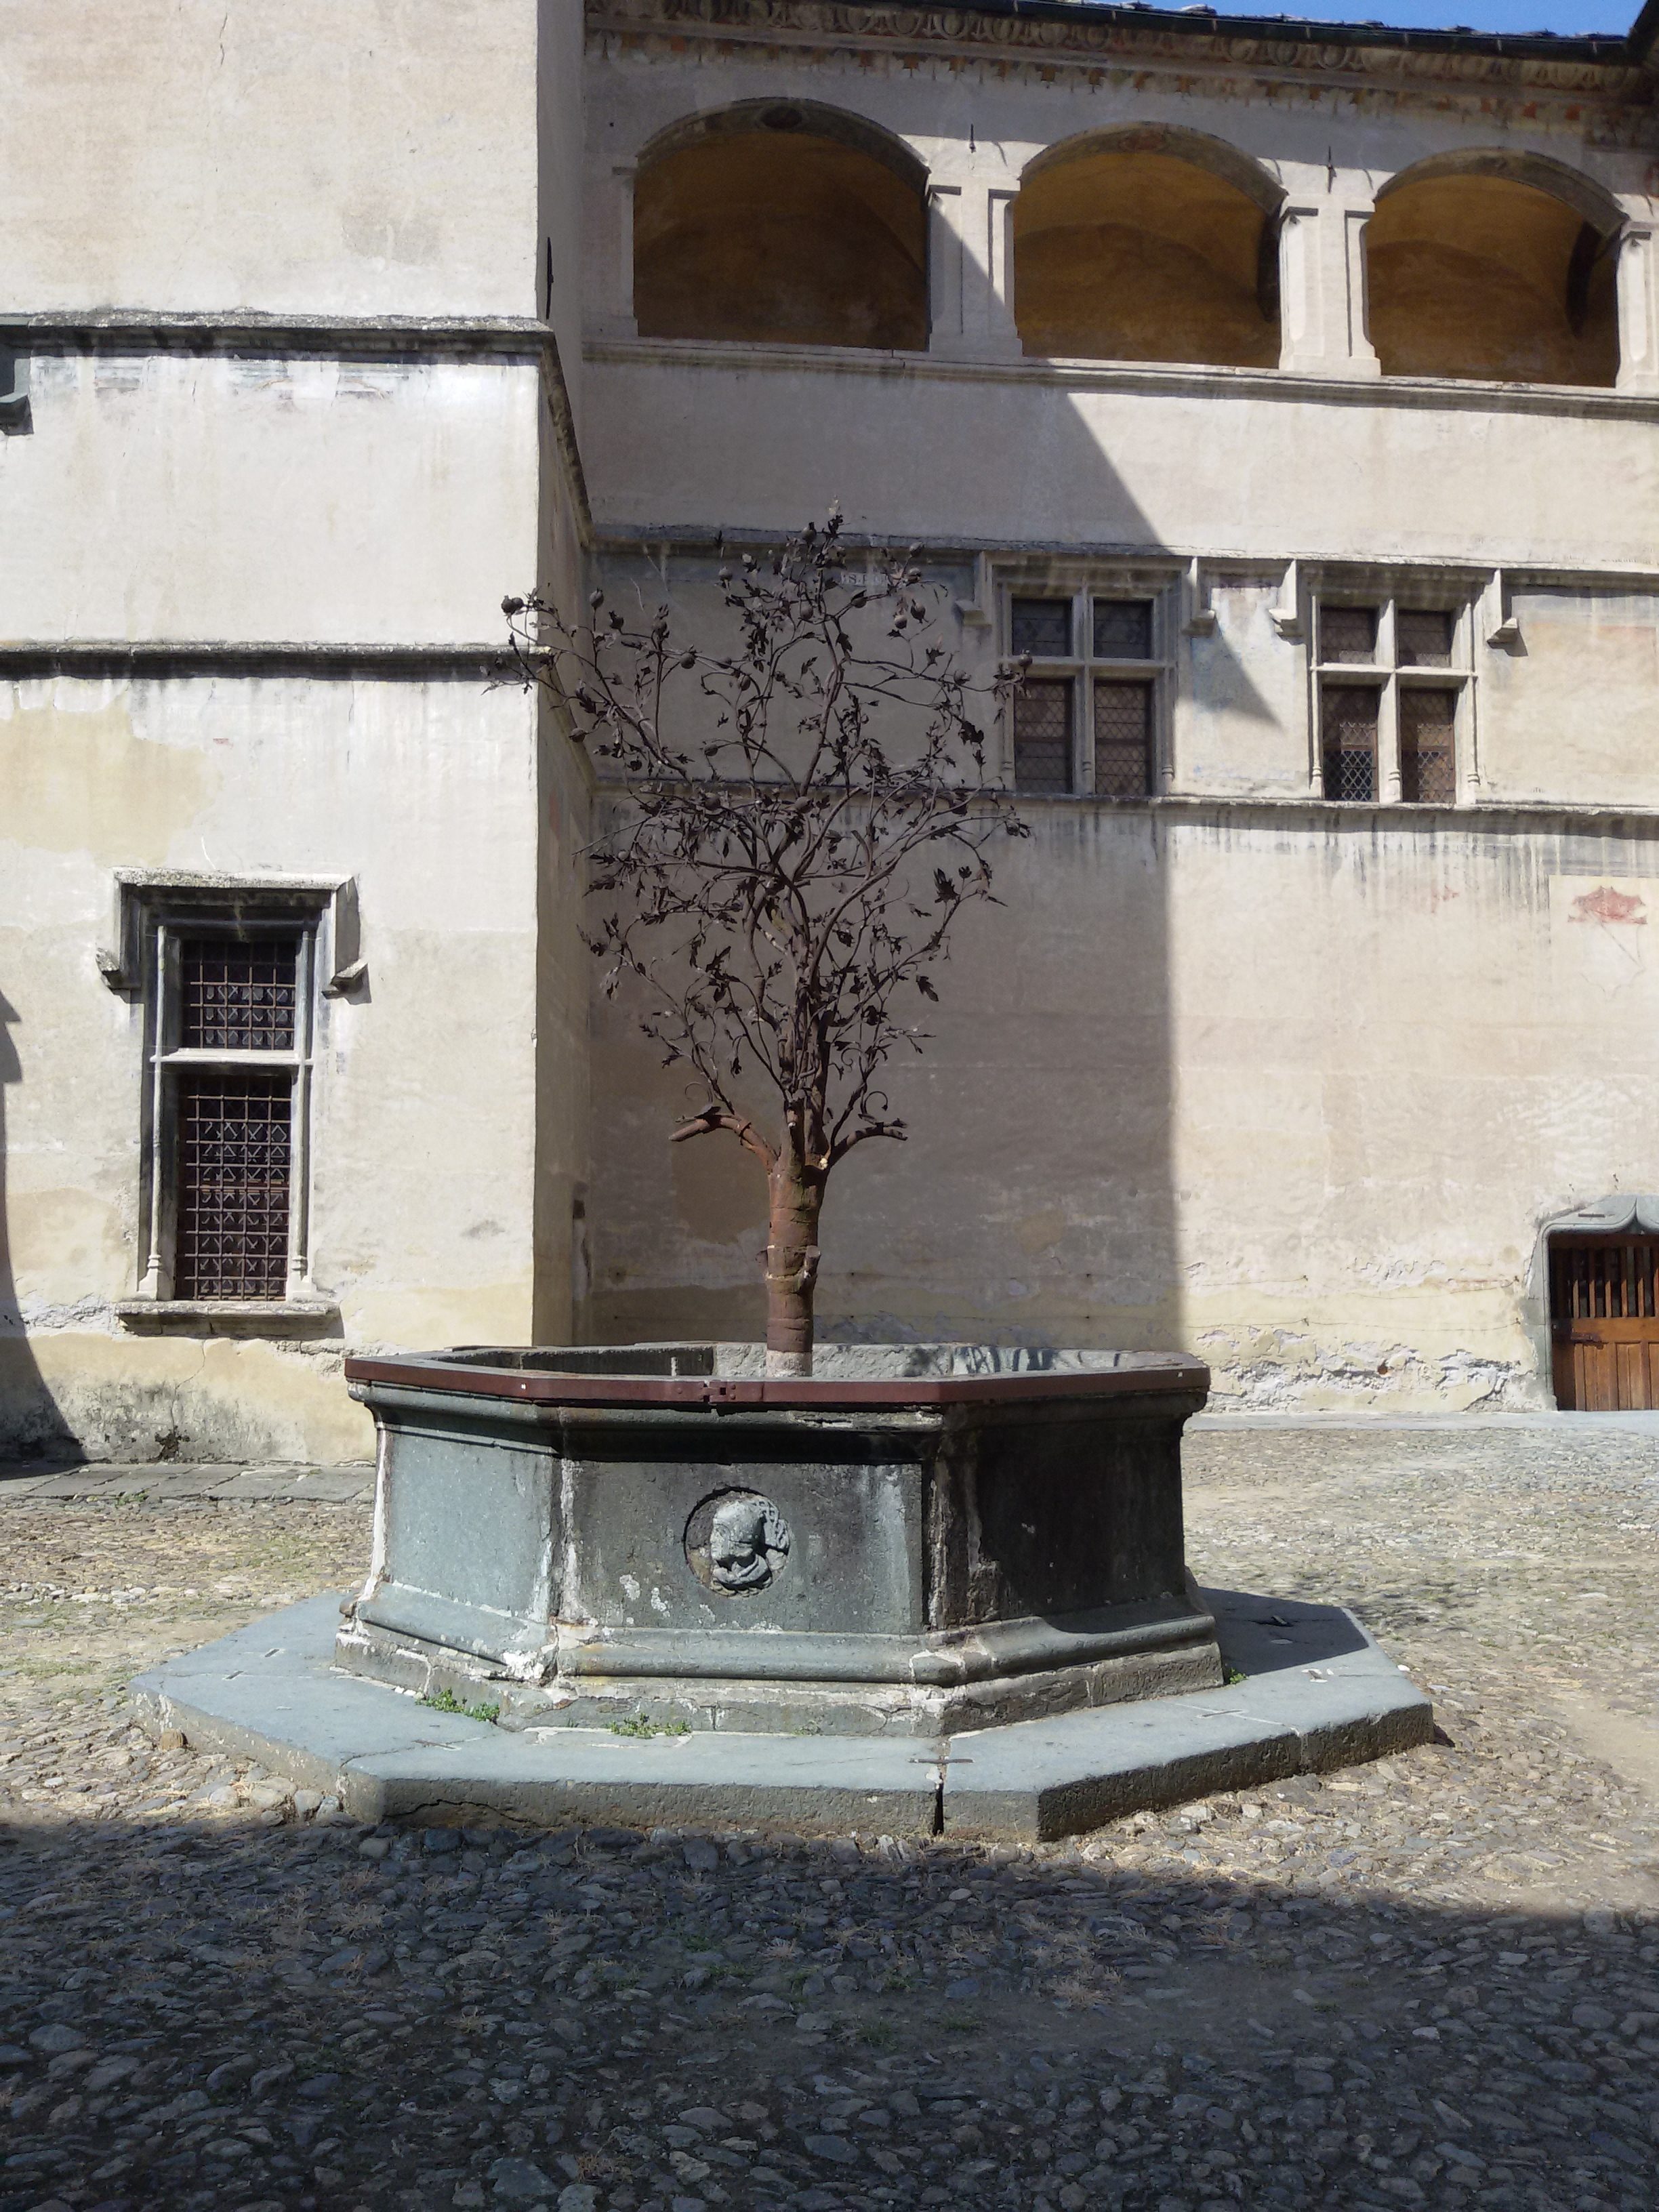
(1319, 1693)
(167, 1481)
(269, 1692)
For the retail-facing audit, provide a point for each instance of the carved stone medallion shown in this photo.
(737, 1542)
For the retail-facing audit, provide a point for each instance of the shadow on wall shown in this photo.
(31, 1429)
(1033, 1201)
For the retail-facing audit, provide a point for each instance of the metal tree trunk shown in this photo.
(791, 1263)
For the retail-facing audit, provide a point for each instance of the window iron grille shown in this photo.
(1604, 1282)
(1427, 766)
(1123, 629)
(1350, 742)
(1423, 637)
(1041, 628)
(235, 1154)
(1124, 739)
(1042, 736)
(1348, 634)
(238, 995)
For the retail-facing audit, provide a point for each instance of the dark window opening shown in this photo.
(1423, 637)
(238, 996)
(1428, 721)
(1124, 739)
(1042, 736)
(1348, 634)
(1350, 741)
(1043, 628)
(234, 1177)
(1123, 629)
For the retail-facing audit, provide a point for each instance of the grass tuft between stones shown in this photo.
(445, 1701)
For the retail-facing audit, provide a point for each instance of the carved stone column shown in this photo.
(970, 255)
(610, 247)
(1321, 285)
(1639, 309)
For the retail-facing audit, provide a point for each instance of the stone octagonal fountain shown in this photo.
(916, 1540)
(930, 1590)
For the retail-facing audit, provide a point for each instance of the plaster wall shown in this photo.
(1240, 717)
(1568, 711)
(194, 496)
(424, 1112)
(1295, 1088)
(1073, 456)
(203, 492)
(1557, 716)
(356, 157)
(1290, 1083)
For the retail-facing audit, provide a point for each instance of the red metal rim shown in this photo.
(1176, 1378)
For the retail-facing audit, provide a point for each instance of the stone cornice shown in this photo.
(1064, 34)
(259, 331)
(319, 658)
(1158, 378)
(1014, 557)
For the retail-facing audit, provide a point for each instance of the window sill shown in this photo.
(230, 1317)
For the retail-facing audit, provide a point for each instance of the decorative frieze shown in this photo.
(1090, 39)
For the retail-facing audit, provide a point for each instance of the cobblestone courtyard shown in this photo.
(1430, 1982)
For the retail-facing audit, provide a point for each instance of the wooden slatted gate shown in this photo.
(1604, 1323)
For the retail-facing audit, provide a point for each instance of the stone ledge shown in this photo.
(229, 1316)
(1318, 1693)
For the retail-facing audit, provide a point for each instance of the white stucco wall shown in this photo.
(236, 498)
(1292, 1085)
(424, 1110)
(1232, 1071)
(339, 157)
(201, 489)
(1092, 455)
(1294, 1090)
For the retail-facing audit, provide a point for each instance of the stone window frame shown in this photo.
(1388, 675)
(1081, 588)
(154, 912)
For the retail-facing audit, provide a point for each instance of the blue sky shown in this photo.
(1568, 17)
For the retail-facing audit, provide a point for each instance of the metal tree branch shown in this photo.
(800, 820)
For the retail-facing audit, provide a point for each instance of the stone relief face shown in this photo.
(737, 1541)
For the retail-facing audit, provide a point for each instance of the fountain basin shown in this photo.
(918, 1540)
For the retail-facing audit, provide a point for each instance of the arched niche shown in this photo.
(1148, 244)
(1494, 265)
(781, 222)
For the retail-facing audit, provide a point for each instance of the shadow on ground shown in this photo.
(210, 2015)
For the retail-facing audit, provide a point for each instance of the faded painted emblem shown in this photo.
(737, 1541)
(1609, 903)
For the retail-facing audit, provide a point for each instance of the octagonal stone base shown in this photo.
(1310, 1692)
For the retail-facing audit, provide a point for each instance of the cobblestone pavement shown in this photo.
(1431, 1982)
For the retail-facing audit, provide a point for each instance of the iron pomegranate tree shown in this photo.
(806, 816)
